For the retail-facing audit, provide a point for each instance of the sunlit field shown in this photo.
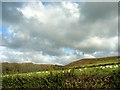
(103, 76)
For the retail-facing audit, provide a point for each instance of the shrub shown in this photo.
(63, 80)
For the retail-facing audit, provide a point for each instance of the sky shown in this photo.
(58, 32)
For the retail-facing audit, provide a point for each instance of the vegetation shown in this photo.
(93, 61)
(66, 79)
(101, 74)
(12, 68)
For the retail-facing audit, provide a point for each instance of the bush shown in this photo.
(63, 80)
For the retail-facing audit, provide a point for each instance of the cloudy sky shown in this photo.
(58, 32)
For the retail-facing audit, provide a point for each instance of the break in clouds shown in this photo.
(58, 32)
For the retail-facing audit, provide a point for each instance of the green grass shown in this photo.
(100, 75)
(86, 78)
(91, 70)
(94, 61)
(98, 70)
(104, 62)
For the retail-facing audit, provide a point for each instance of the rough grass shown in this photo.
(103, 74)
(93, 61)
(94, 77)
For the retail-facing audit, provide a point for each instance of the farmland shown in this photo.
(100, 74)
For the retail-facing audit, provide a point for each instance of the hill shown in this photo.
(93, 61)
(11, 68)
(95, 73)
(8, 68)
(92, 78)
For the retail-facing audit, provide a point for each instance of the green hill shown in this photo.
(93, 61)
(94, 73)
(11, 68)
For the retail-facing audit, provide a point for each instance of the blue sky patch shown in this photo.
(68, 50)
(5, 32)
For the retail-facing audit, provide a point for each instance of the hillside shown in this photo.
(94, 73)
(8, 68)
(11, 68)
(91, 61)
(100, 76)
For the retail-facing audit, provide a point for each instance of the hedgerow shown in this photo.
(63, 80)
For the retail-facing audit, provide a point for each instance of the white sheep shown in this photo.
(69, 70)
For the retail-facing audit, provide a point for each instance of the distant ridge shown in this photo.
(92, 61)
(8, 68)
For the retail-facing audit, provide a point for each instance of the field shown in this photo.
(102, 74)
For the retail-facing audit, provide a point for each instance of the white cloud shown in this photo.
(100, 43)
(51, 27)
(9, 55)
(88, 56)
(105, 53)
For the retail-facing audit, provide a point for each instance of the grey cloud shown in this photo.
(53, 27)
(94, 11)
(10, 14)
(119, 27)
(9, 55)
(105, 53)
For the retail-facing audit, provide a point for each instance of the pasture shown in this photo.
(86, 73)
(62, 78)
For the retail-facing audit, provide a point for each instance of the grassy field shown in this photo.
(93, 61)
(104, 74)
(93, 70)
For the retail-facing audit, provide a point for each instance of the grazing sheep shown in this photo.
(69, 70)
(110, 66)
(107, 66)
(103, 67)
(46, 71)
(80, 69)
(115, 66)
